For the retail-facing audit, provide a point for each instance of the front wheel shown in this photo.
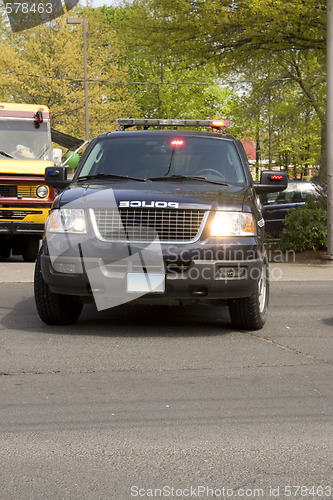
(54, 308)
(250, 313)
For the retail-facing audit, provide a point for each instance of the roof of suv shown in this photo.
(204, 133)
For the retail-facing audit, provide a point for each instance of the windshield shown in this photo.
(147, 156)
(21, 140)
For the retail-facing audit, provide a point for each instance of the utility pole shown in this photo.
(83, 21)
(329, 255)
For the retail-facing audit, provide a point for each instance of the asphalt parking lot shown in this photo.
(132, 400)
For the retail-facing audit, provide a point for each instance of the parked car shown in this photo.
(277, 205)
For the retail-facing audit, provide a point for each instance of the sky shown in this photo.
(99, 3)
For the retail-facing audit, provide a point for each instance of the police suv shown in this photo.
(164, 215)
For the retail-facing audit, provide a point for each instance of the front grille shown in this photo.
(142, 225)
(8, 191)
(12, 191)
(27, 191)
(17, 214)
(177, 267)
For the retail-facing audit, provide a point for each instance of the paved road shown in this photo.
(136, 399)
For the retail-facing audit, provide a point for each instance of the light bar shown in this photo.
(159, 122)
(219, 124)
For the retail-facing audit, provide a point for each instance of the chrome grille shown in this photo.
(143, 224)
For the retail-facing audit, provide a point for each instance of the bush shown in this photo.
(305, 228)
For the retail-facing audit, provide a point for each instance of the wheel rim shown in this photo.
(262, 288)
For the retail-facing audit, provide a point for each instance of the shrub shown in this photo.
(305, 228)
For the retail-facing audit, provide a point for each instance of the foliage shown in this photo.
(45, 65)
(219, 27)
(305, 228)
(286, 129)
(277, 47)
(164, 86)
(178, 58)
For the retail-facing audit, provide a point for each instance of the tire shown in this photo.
(250, 313)
(54, 308)
(5, 252)
(30, 249)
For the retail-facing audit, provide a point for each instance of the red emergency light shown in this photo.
(177, 142)
(38, 119)
(276, 177)
(219, 124)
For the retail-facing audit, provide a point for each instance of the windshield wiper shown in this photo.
(7, 155)
(108, 176)
(187, 177)
(42, 153)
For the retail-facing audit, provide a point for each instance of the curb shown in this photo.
(17, 272)
(300, 272)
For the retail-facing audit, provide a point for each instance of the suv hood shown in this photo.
(157, 194)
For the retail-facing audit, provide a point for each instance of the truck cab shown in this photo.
(25, 199)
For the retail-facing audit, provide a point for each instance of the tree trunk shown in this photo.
(258, 156)
(270, 143)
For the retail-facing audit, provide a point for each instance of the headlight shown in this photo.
(233, 224)
(42, 192)
(66, 220)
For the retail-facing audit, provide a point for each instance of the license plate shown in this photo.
(145, 283)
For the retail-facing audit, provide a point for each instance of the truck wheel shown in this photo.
(54, 308)
(30, 249)
(250, 313)
(5, 252)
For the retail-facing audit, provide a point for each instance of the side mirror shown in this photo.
(271, 181)
(56, 177)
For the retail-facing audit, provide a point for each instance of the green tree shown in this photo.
(288, 36)
(167, 86)
(45, 65)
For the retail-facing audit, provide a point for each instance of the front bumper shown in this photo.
(23, 220)
(15, 228)
(186, 273)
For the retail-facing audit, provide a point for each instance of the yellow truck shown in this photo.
(25, 200)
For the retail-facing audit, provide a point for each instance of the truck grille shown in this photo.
(27, 191)
(8, 191)
(17, 214)
(142, 225)
(12, 191)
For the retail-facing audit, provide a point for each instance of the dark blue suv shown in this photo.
(166, 216)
